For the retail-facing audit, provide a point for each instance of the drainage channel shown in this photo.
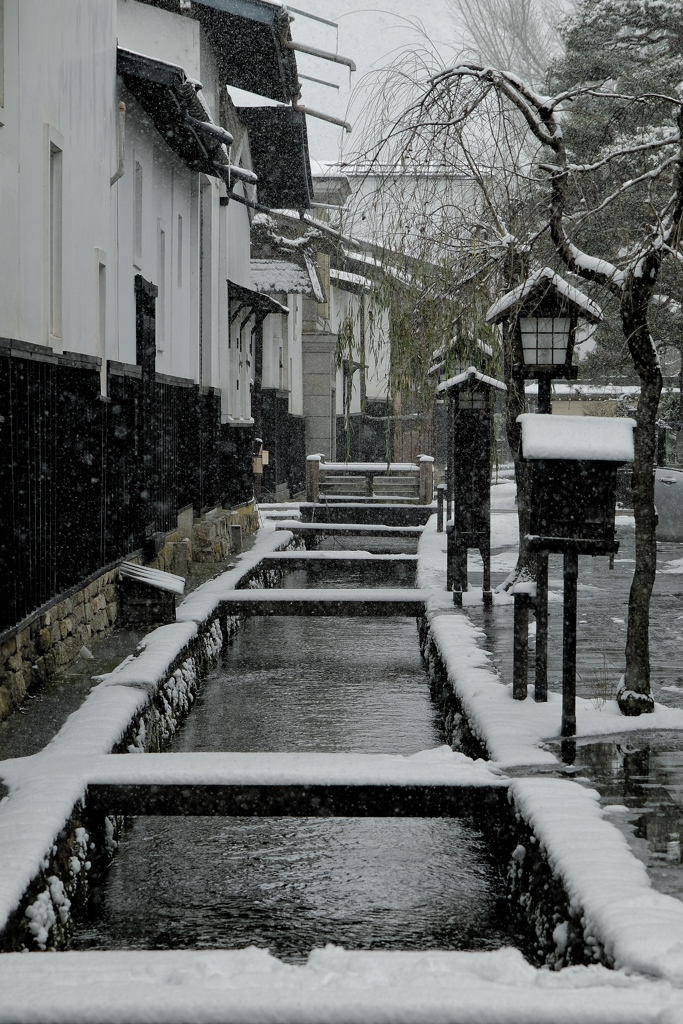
(305, 684)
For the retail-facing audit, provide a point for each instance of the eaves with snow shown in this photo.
(285, 276)
(469, 376)
(538, 284)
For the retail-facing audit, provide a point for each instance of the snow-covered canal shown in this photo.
(307, 684)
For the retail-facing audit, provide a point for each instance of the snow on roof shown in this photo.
(594, 438)
(469, 375)
(280, 276)
(547, 278)
(344, 277)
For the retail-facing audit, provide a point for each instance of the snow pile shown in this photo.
(595, 438)
(334, 986)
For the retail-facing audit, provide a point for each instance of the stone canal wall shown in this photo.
(136, 708)
(153, 693)
(555, 927)
(50, 639)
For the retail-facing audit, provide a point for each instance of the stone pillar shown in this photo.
(426, 463)
(313, 477)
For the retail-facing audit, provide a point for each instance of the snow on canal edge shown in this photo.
(642, 930)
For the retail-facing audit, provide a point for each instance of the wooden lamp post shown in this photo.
(574, 462)
(470, 401)
(542, 315)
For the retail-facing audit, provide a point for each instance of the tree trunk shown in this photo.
(515, 405)
(633, 693)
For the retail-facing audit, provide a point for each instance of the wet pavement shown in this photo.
(639, 776)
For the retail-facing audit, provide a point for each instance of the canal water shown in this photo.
(307, 684)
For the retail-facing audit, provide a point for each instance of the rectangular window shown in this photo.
(137, 216)
(161, 298)
(205, 284)
(55, 228)
(180, 251)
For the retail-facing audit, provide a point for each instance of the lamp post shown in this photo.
(470, 402)
(544, 313)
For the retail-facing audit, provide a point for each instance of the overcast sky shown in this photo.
(371, 34)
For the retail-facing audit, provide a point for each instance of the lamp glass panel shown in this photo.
(472, 398)
(545, 340)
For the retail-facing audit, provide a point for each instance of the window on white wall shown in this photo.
(180, 251)
(161, 296)
(137, 216)
(205, 284)
(55, 243)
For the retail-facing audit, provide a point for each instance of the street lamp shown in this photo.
(470, 410)
(544, 312)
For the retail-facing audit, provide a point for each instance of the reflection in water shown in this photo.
(306, 684)
(640, 781)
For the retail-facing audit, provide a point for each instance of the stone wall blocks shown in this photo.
(112, 612)
(5, 702)
(56, 632)
(44, 639)
(17, 686)
(99, 621)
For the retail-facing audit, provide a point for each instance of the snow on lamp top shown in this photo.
(540, 286)
(588, 438)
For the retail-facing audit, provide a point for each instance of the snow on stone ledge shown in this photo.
(333, 986)
(594, 438)
(434, 767)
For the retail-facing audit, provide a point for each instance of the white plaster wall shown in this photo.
(169, 191)
(348, 304)
(294, 362)
(274, 345)
(59, 87)
(158, 33)
(175, 202)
